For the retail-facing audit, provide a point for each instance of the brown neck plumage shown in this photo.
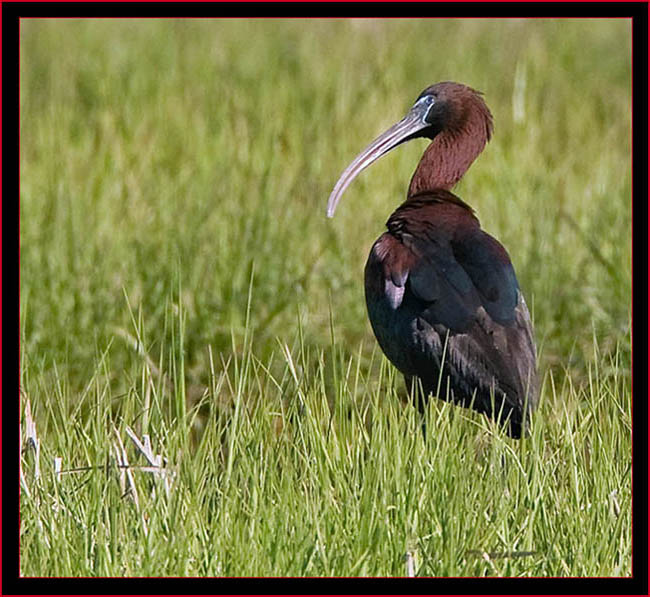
(452, 151)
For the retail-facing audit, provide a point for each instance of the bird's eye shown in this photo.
(426, 100)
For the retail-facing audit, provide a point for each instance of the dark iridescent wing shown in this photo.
(459, 275)
(488, 265)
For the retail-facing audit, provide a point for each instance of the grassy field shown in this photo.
(180, 281)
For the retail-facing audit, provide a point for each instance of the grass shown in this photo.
(179, 278)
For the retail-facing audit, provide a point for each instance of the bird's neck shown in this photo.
(447, 159)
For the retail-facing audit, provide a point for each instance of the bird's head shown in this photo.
(450, 107)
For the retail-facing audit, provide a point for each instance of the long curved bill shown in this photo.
(413, 122)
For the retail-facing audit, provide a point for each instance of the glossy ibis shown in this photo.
(439, 290)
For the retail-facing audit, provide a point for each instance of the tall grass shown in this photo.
(179, 277)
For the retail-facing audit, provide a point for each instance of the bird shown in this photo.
(442, 296)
